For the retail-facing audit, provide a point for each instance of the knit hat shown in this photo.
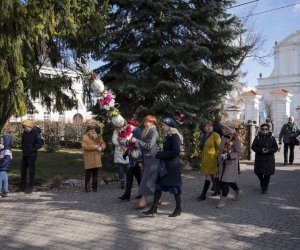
(90, 126)
(170, 122)
(150, 118)
(133, 122)
(27, 123)
(228, 125)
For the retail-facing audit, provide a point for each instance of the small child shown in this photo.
(5, 162)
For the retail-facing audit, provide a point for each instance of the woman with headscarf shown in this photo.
(230, 151)
(149, 149)
(264, 146)
(171, 181)
(92, 145)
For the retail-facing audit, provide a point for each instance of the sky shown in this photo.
(274, 26)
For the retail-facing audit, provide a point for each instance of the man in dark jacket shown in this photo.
(289, 133)
(31, 143)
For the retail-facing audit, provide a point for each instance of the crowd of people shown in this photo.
(156, 170)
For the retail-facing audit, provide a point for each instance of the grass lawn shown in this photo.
(66, 164)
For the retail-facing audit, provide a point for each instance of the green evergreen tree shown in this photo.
(33, 32)
(169, 57)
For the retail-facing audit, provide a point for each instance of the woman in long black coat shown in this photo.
(264, 146)
(171, 182)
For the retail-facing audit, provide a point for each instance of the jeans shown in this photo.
(122, 170)
(4, 181)
(28, 163)
(286, 148)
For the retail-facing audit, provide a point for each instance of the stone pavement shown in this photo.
(76, 220)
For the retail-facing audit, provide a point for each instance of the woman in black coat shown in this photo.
(264, 146)
(171, 182)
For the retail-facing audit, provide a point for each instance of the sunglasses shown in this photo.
(265, 129)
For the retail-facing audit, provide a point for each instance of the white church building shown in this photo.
(278, 95)
(77, 114)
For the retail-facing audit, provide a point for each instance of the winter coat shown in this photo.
(264, 162)
(92, 157)
(31, 142)
(119, 150)
(5, 153)
(228, 169)
(170, 156)
(149, 148)
(210, 154)
(288, 132)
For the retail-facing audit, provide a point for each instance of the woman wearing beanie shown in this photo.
(230, 152)
(149, 148)
(171, 182)
(264, 146)
(210, 143)
(92, 145)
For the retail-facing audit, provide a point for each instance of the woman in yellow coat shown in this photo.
(210, 143)
(92, 145)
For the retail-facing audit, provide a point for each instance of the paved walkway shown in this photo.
(76, 220)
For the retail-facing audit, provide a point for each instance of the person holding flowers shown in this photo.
(134, 154)
(119, 140)
(230, 151)
(92, 145)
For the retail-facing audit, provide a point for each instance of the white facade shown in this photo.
(280, 92)
(80, 112)
(252, 105)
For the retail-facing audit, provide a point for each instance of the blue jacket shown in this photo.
(170, 155)
(5, 153)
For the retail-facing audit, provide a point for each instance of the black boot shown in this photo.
(202, 197)
(153, 208)
(87, 184)
(128, 187)
(124, 197)
(178, 209)
(95, 185)
(265, 184)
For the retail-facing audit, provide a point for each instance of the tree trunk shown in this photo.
(6, 109)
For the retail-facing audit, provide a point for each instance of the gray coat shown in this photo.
(230, 166)
(288, 131)
(149, 149)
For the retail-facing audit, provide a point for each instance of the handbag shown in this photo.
(162, 171)
(216, 185)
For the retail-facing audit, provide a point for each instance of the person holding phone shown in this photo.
(264, 146)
